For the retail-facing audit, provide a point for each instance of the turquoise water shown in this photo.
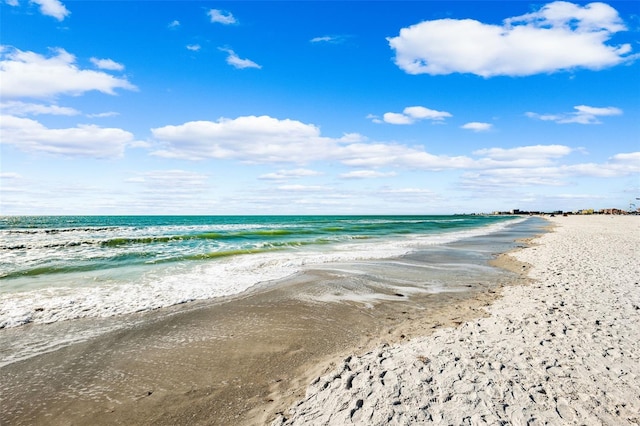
(56, 268)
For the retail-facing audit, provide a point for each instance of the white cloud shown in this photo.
(84, 140)
(10, 175)
(265, 139)
(366, 174)
(591, 17)
(412, 195)
(331, 39)
(583, 115)
(477, 126)
(269, 140)
(174, 24)
(104, 114)
(322, 39)
(422, 113)
(410, 115)
(221, 16)
(512, 177)
(629, 157)
(107, 64)
(12, 2)
(24, 108)
(235, 61)
(52, 8)
(535, 151)
(622, 164)
(193, 47)
(251, 138)
(303, 188)
(289, 174)
(29, 74)
(167, 192)
(171, 180)
(560, 36)
(406, 191)
(524, 156)
(374, 118)
(396, 118)
(387, 154)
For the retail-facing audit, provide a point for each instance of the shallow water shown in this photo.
(368, 272)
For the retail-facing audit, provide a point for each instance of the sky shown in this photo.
(328, 107)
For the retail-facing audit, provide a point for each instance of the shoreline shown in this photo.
(236, 361)
(561, 350)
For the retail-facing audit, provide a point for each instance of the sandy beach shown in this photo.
(243, 359)
(563, 349)
(556, 342)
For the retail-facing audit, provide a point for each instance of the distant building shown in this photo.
(612, 211)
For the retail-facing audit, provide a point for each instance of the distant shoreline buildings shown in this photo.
(566, 213)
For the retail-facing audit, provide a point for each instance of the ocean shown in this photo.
(72, 269)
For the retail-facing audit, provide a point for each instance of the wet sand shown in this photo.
(244, 360)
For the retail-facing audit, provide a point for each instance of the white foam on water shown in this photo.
(163, 286)
(98, 303)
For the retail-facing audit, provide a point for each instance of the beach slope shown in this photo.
(564, 349)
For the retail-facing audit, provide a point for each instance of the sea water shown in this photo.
(66, 269)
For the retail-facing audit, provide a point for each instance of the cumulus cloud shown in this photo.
(259, 139)
(583, 115)
(624, 163)
(107, 64)
(52, 8)
(559, 36)
(290, 174)
(235, 61)
(410, 115)
(366, 174)
(629, 157)
(477, 126)
(84, 140)
(174, 24)
(23, 108)
(193, 47)
(221, 16)
(266, 139)
(29, 74)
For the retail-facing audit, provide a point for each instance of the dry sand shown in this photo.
(564, 349)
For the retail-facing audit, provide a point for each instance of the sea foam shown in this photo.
(180, 282)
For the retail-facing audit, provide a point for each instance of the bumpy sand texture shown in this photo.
(563, 350)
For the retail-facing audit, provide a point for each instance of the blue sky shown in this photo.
(300, 107)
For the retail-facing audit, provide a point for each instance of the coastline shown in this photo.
(561, 350)
(239, 360)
